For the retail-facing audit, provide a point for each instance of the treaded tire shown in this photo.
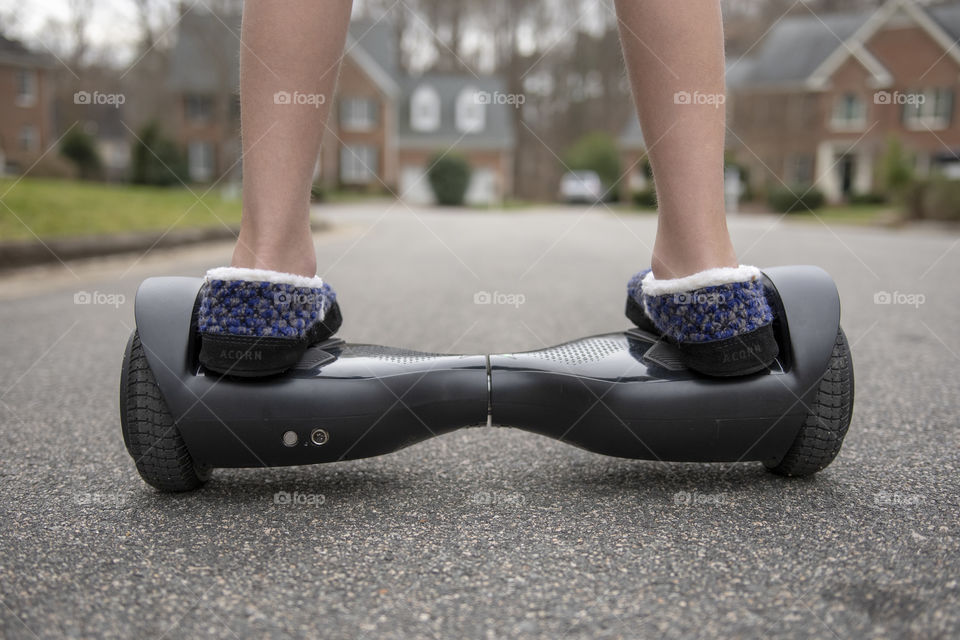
(149, 432)
(825, 427)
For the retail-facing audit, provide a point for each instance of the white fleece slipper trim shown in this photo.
(708, 278)
(263, 275)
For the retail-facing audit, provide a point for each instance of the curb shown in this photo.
(16, 254)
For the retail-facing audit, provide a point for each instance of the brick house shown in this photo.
(384, 124)
(203, 76)
(822, 95)
(25, 106)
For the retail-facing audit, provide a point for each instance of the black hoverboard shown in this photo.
(621, 394)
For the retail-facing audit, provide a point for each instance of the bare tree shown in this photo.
(80, 11)
(11, 20)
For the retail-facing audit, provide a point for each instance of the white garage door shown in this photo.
(483, 187)
(414, 186)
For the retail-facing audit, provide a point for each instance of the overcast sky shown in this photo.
(111, 22)
(113, 28)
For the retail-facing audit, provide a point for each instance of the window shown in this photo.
(471, 115)
(200, 161)
(425, 109)
(28, 138)
(199, 108)
(358, 164)
(26, 88)
(929, 109)
(849, 113)
(358, 114)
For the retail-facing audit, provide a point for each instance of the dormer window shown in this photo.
(471, 114)
(425, 109)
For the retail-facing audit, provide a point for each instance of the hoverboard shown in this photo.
(622, 394)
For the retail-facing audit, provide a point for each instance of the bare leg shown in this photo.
(673, 47)
(288, 46)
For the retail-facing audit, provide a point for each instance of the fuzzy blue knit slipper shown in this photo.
(635, 312)
(255, 322)
(719, 319)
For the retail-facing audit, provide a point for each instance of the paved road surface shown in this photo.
(488, 533)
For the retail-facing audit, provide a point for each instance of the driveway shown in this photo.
(487, 532)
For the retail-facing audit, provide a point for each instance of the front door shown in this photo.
(847, 167)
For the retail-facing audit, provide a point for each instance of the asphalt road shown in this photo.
(488, 533)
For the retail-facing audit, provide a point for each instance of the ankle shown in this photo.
(294, 254)
(671, 261)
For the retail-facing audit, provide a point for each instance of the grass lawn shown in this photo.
(844, 214)
(70, 208)
(840, 214)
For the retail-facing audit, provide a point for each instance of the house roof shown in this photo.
(803, 49)
(16, 53)
(206, 57)
(207, 52)
(378, 40)
(498, 132)
(948, 17)
(796, 46)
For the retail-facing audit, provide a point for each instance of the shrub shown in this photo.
(156, 159)
(52, 165)
(449, 177)
(913, 199)
(80, 148)
(645, 198)
(895, 171)
(595, 152)
(870, 197)
(796, 199)
(937, 199)
(318, 193)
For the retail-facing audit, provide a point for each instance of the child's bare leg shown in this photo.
(673, 47)
(715, 311)
(288, 46)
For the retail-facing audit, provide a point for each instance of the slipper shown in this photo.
(256, 322)
(635, 312)
(719, 319)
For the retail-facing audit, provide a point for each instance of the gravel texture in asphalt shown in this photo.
(488, 532)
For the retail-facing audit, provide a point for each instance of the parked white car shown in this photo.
(581, 186)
